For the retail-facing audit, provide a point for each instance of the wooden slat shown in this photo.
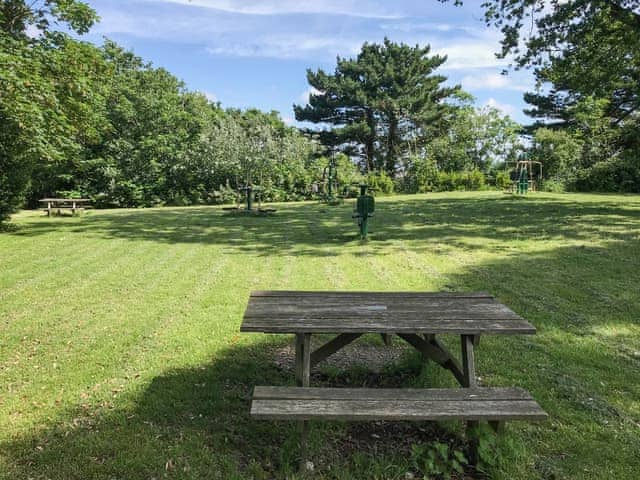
(465, 326)
(431, 394)
(417, 410)
(302, 293)
(371, 304)
(380, 312)
(452, 312)
(492, 404)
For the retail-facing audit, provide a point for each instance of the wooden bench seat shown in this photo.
(473, 404)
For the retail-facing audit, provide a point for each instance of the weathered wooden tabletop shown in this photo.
(380, 312)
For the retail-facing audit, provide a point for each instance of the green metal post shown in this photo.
(330, 178)
(365, 206)
(249, 190)
(364, 228)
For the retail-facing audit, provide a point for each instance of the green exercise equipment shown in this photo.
(365, 208)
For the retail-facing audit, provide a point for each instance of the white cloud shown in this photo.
(410, 27)
(285, 46)
(505, 108)
(210, 96)
(33, 31)
(285, 7)
(304, 96)
(491, 81)
(471, 54)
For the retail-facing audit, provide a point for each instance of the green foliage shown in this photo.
(49, 106)
(587, 155)
(16, 16)
(458, 181)
(475, 139)
(381, 102)
(614, 175)
(553, 185)
(492, 454)
(380, 182)
(421, 176)
(46, 92)
(559, 151)
(503, 180)
(437, 459)
(584, 55)
(101, 122)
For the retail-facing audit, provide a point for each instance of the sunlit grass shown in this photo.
(121, 357)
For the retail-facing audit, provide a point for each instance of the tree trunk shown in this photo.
(370, 142)
(392, 145)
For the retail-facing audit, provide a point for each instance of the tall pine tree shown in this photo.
(378, 102)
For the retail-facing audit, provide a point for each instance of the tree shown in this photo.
(582, 48)
(585, 55)
(560, 153)
(475, 138)
(17, 16)
(43, 90)
(379, 101)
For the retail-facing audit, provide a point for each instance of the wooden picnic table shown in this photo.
(59, 204)
(417, 318)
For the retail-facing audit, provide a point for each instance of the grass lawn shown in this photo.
(120, 355)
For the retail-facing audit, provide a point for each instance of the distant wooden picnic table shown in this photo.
(417, 318)
(60, 204)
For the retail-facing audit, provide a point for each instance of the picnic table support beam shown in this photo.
(468, 361)
(469, 370)
(303, 379)
(436, 351)
(497, 425)
(332, 347)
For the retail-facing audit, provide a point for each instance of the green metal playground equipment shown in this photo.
(330, 182)
(251, 193)
(365, 208)
(526, 177)
(523, 182)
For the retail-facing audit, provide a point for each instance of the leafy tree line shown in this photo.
(100, 122)
(389, 109)
(83, 120)
(585, 56)
(78, 119)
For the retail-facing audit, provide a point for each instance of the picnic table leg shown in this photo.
(48, 209)
(303, 359)
(468, 361)
(303, 379)
(469, 372)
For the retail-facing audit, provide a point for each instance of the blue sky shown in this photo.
(250, 53)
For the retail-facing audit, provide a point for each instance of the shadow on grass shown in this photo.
(194, 422)
(313, 229)
(187, 423)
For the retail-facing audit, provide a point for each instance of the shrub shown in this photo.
(380, 182)
(503, 180)
(614, 175)
(554, 185)
(457, 181)
(422, 175)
